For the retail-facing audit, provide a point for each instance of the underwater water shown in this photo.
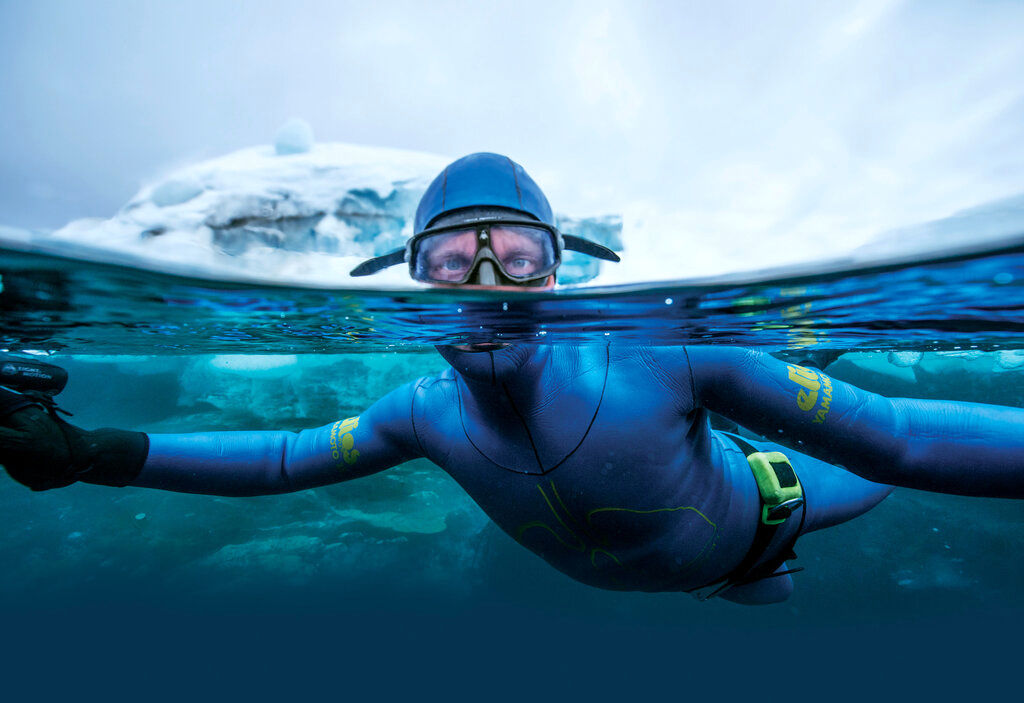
(399, 577)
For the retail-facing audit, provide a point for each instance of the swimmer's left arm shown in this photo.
(946, 446)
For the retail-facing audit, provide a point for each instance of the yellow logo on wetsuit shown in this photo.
(812, 386)
(344, 452)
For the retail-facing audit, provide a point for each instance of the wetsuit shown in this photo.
(602, 459)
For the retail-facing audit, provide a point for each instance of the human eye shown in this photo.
(450, 267)
(520, 263)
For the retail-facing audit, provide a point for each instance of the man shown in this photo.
(600, 459)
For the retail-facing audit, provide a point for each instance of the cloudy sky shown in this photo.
(818, 121)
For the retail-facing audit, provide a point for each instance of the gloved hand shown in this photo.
(42, 451)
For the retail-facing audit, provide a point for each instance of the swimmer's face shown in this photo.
(517, 255)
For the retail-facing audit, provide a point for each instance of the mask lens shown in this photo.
(523, 252)
(446, 257)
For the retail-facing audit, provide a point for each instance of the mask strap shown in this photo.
(379, 263)
(585, 246)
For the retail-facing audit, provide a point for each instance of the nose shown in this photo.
(485, 274)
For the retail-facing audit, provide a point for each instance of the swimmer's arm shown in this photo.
(260, 463)
(945, 446)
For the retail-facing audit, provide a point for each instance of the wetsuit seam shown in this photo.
(462, 421)
(412, 418)
(543, 472)
(667, 377)
(515, 181)
(689, 366)
(600, 401)
(529, 435)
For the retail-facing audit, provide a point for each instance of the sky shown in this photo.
(750, 125)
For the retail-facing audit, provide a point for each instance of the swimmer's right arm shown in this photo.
(214, 463)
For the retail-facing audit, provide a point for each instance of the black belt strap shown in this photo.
(743, 573)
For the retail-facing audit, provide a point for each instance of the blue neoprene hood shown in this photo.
(482, 180)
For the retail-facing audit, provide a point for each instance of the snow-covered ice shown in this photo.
(306, 213)
(296, 212)
(294, 137)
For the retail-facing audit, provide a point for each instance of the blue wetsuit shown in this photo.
(602, 460)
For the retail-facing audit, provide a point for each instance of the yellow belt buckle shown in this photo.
(780, 489)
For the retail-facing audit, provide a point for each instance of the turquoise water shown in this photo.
(401, 570)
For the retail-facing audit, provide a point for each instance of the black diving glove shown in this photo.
(42, 451)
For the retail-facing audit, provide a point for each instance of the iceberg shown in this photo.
(295, 212)
(175, 191)
(989, 223)
(294, 137)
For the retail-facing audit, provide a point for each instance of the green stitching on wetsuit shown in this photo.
(544, 525)
(648, 512)
(583, 543)
(710, 541)
(561, 502)
(583, 546)
(594, 552)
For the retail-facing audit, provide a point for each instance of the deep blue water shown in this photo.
(397, 585)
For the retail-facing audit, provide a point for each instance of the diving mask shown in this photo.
(487, 251)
